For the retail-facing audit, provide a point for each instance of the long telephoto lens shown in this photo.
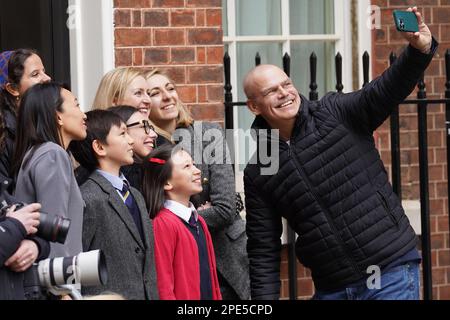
(53, 228)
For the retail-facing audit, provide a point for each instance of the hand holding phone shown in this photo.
(405, 21)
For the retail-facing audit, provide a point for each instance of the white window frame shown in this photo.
(91, 47)
(341, 38)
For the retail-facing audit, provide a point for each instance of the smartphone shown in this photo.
(405, 21)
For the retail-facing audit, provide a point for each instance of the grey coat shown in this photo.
(226, 227)
(47, 177)
(108, 226)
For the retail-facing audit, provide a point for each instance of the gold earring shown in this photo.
(17, 98)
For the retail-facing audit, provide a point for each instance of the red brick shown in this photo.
(214, 55)
(441, 14)
(437, 206)
(437, 241)
(201, 55)
(439, 276)
(444, 293)
(168, 4)
(122, 18)
(183, 55)
(205, 36)
(182, 18)
(204, 3)
(215, 93)
(205, 74)
(214, 17)
(123, 57)
(200, 18)
(410, 3)
(137, 18)
(188, 94)
(165, 37)
(137, 57)
(132, 3)
(444, 258)
(156, 18)
(442, 224)
(202, 94)
(305, 288)
(156, 56)
(208, 112)
(133, 37)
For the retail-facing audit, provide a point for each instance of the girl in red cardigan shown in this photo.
(184, 253)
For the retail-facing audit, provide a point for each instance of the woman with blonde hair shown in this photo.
(216, 203)
(123, 86)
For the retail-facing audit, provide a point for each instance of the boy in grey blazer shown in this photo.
(115, 217)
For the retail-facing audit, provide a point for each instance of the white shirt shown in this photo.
(181, 210)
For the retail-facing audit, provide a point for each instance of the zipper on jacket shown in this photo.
(327, 214)
(386, 207)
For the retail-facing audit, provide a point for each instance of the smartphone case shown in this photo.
(405, 21)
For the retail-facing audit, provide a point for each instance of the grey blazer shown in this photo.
(227, 229)
(108, 225)
(47, 177)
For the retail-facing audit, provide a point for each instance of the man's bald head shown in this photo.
(256, 75)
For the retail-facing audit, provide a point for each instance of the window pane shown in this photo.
(311, 17)
(224, 17)
(269, 53)
(300, 69)
(258, 17)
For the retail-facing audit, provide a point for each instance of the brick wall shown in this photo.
(183, 36)
(436, 13)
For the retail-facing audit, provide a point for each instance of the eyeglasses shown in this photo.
(145, 124)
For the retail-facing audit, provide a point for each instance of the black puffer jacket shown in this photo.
(332, 187)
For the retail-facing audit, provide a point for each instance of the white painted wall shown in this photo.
(91, 32)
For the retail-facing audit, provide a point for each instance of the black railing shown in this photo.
(422, 103)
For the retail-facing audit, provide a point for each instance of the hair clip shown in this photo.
(157, 160)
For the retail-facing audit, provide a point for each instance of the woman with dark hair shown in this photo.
(144, 136)
(49, 119)
(24, 69)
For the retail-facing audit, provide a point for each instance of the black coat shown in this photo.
(12, 232)
(6, 153)
(332, 187)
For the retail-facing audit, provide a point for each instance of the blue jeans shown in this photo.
(398, 283)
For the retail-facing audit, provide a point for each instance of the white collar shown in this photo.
(181, 210)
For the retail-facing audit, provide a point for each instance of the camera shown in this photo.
(401, 24)
(64, 275)
(51, 227)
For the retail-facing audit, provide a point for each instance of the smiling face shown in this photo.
(186, 178)
(119, 146)
(164, 99)
(136, 96)
(143, 135)
(272, 95)
(72, 121)
(33, 73)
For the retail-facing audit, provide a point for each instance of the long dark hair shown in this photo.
(156, 176)
(36, 123)
(16, 68)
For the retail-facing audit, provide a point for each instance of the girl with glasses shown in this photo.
(144, 136)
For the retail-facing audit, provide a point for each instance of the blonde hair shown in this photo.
(113, 86)
(184, 118)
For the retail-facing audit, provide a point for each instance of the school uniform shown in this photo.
(184, 255)
(124, 233)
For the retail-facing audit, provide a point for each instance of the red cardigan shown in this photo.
(176, 258)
